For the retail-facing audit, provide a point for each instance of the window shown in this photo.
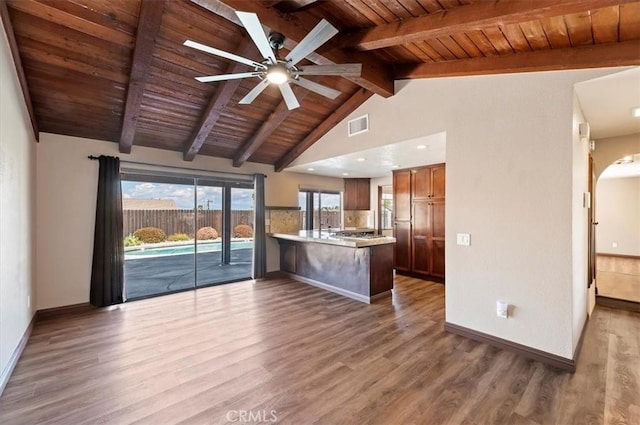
(386, 208)
(319, 209)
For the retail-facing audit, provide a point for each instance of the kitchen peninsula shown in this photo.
(356, 266)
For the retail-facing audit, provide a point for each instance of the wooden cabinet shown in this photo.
(357, 194)
(402, 220)
(436, 237)
(419, 207)
(428, 182)
(402, 195)
(402, 253)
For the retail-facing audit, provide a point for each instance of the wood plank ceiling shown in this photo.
(116, 70)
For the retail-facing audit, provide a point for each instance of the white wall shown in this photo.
(17, 203)
(510, 184)
(618, 216)
(66, 194)
(579, 226)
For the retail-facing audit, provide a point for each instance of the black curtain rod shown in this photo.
(93, 158)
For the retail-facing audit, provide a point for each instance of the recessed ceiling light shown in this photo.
(310, 169)
(636, 112)
(421, 146)
(345, 174)
(360, 159)
(395, 166)
(625, 160)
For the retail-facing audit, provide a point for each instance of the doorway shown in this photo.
(185, 232)
(618, 231)
(385, 210)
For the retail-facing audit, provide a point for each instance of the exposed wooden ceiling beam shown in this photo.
(376, 76)
(266, 129)
(338, 115)
(221, 97)
(626, 53)
(148, 27)
(290, 6)
(467, 18)
(13, 46)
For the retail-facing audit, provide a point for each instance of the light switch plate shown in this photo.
(586, 200)
(502, 309)
(463, 239)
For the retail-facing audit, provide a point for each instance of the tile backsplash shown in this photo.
(282, 220)
(358, 219)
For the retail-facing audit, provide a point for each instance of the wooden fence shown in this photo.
(181, 221)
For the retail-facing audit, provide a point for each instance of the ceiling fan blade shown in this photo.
(250, 97)
(317, 88)
(316, 38)
(224, 77)
(222, 53)
(256, 32)
(344, 70)
(289, 97)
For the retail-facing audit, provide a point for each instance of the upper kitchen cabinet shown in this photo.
(357, 194)
(428, 182)
(402, 195)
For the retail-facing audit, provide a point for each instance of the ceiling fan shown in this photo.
(281, 72)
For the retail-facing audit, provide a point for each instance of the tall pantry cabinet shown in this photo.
(419, 202)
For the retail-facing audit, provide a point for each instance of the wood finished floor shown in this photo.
(313, 357)
(619, 285)
(618, 277)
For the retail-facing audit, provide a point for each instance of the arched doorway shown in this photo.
(617, 214)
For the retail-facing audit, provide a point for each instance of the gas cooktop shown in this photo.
(357, 235)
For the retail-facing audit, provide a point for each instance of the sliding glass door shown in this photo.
(228, 256)
(185, 232)
(209, 220)
(159, 225)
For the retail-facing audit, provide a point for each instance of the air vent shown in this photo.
(358, 125)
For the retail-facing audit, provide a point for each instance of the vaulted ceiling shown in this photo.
(117, 70)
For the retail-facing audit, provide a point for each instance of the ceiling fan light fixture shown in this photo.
(278, 74)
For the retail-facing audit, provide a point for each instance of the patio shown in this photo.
(160, 275)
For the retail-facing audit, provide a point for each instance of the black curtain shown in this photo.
(107, 272)
(259, 236)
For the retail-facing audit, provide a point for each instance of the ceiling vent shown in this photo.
(358, 125)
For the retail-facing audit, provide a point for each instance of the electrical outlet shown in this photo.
(614, 244)
(463, 239)
(28, 301)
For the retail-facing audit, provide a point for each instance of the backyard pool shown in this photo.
(165, 251)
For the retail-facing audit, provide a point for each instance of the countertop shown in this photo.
(327, 237)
